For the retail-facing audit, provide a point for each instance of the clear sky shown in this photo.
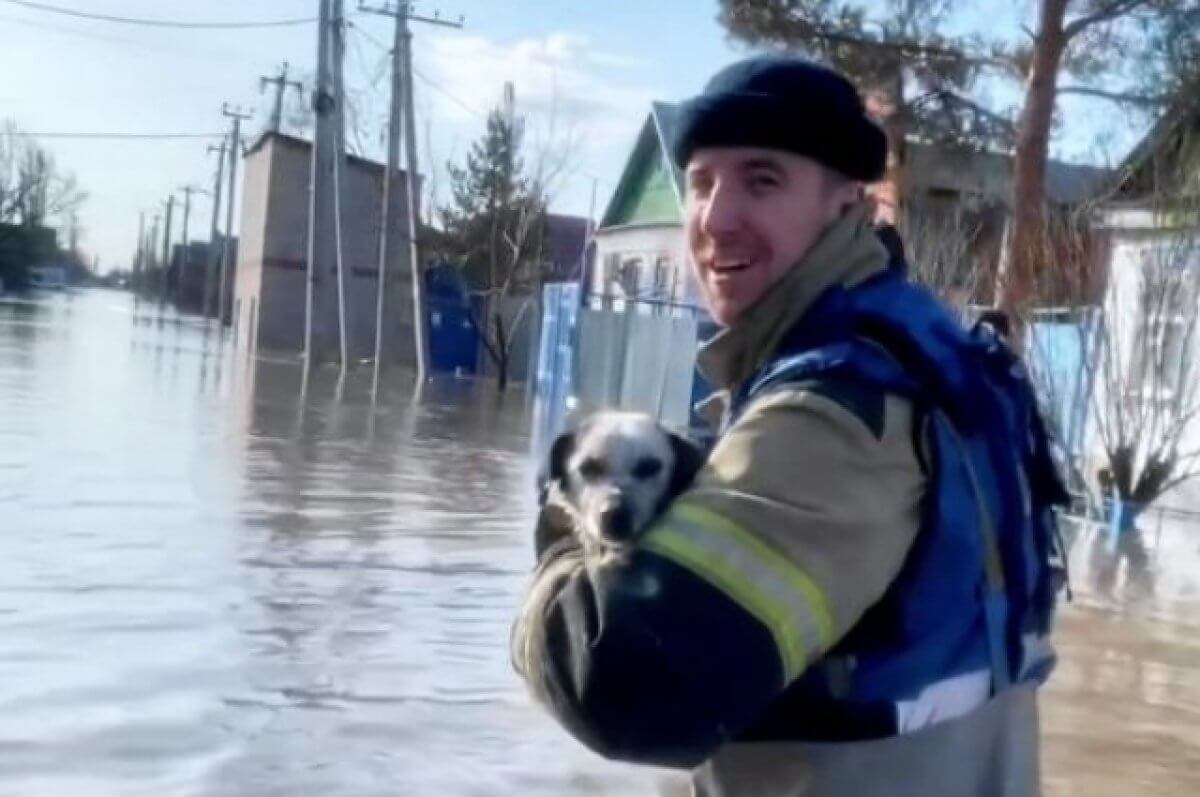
(592, 66)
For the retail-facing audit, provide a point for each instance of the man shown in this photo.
(826, 611)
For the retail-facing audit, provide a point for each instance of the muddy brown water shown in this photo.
(216, 583)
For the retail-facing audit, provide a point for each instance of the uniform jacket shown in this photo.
(803, 515)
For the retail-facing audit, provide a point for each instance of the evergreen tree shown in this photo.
(494, 232)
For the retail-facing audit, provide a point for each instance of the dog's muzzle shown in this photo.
(616, 522)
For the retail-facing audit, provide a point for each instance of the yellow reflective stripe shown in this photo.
(763, 582)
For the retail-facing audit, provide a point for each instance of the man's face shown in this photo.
(751, 215)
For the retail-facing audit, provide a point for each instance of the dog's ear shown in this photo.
(560, 451)
(688, 461)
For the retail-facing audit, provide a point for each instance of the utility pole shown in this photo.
(139, 259)
(185, 260)
(227, 266)
(151, 243)
(402, 107)
(338, 42)
(318, 298)
(281, 84)
(213, 253)
(166, 258)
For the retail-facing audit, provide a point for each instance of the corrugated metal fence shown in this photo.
(621, 354)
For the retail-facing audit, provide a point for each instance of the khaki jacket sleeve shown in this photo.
(814, 493)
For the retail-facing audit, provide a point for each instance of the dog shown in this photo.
(615, 473)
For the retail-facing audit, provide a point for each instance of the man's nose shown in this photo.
(722, 211)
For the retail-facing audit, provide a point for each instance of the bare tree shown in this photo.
(1127, 364)
(942, 248)
(34, 194)
(33, 191)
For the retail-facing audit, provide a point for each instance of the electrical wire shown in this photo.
(158, 23)
(428, 81)
(460, 103)
(127, 136)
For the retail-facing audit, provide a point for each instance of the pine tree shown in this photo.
(494, 230)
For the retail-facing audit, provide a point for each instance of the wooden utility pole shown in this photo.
(281, 84)
(166, 256)
(213, 253)
(402, 107)
(185, 259)
(227, 266)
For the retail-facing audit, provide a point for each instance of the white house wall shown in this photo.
(647, 242)
(1132, 249)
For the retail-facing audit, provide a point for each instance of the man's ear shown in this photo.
(688, 461)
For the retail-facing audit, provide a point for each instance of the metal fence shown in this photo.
(605, 352)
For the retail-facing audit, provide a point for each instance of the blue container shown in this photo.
(1122, 518)
(453, 340)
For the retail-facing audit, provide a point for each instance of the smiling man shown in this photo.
(826, 610)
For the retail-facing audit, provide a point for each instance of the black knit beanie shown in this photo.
(784, 103)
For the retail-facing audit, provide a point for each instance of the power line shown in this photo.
(368, 36)
(436, 87)
(424, 78)
(158, 23)
(127, 136)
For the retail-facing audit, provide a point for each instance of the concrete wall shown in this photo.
(248, 274)
(522, 318)
(275, 227)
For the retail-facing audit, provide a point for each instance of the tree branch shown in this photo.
(1108, 12)
(980, 110)
(904, 47)
(1152, 100)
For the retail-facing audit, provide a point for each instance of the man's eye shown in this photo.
(760, 183)
(647, 468)
(700, 185)
(591, 469)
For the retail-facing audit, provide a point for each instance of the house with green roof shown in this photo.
(641, 252)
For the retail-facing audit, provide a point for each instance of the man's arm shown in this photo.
(796, 525)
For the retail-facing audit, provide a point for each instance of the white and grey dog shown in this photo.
(615, 472)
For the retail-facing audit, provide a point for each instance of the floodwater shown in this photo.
(217, 584)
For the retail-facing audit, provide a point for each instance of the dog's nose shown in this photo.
(617, 522)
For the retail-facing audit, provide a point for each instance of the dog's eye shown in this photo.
(591, 468)
(647, 468)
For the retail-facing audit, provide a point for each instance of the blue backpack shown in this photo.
(978, 589)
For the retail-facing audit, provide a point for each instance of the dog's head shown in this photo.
(618, 470)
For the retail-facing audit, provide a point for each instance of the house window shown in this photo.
(662, 278)
(1164, 337)
(609, 276)
(629, 277)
